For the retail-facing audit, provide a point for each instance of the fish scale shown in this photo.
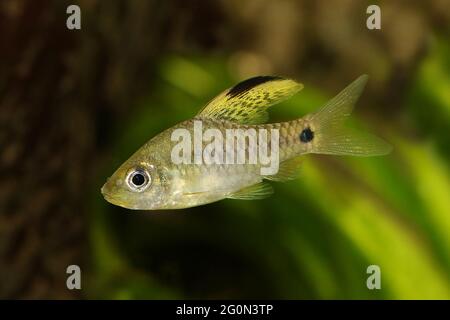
(289, 132)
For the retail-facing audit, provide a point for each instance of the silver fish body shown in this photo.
(150, 179)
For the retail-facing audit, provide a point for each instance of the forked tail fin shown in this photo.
(331, 137)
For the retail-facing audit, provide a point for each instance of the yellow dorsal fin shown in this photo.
(247, 102)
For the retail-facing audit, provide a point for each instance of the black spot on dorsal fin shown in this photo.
(248, 84)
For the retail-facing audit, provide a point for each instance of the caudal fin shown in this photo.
(331, 137)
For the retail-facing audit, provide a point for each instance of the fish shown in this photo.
(151, 180)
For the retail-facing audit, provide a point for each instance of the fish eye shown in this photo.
(138, 180)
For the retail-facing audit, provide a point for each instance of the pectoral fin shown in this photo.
(260, 190)
(247, 102)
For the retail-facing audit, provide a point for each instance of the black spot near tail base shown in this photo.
(306, 135)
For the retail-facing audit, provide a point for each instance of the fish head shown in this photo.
(137, 184)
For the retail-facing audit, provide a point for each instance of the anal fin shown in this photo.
(289, 170)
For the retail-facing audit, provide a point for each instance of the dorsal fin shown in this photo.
(247, 102)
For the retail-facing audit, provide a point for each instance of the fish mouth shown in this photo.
(106, 194)
(111, 199)
(117, 201)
